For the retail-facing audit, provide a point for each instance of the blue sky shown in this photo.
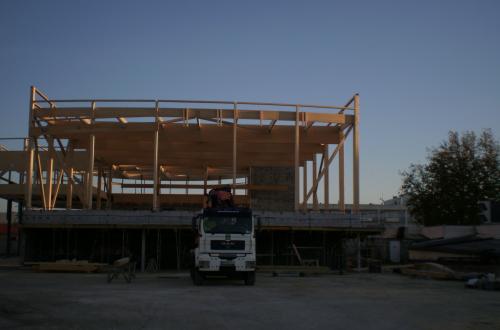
(421, 67)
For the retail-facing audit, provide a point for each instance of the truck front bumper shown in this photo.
(223, 263)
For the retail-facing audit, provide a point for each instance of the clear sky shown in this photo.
(421, 67)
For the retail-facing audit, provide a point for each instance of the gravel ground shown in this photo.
(170, 301)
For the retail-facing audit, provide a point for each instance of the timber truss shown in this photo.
(91, 153)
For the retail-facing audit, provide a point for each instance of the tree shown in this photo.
(460, 172)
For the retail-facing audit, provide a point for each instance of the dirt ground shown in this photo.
(169, 301)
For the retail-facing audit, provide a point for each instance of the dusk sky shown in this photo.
(422, 68)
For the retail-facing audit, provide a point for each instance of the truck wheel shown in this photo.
(250, 278)
(196, 276)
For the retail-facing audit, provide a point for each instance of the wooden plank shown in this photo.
(355, 161)
(68, 266)
(58, 186)
(201, 113)
(40, 176)
(191, 134)
(49, 172)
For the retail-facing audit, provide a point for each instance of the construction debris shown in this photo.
(428, 270)
(483, 282)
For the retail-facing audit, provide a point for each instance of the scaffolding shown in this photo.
(91, 153)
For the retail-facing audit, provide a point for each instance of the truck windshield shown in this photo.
(227, 225)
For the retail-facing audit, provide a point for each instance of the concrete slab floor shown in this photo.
(170, 301)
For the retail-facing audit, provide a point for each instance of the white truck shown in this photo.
(225, 245)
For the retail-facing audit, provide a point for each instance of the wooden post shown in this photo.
(90, 168)
(304, 179)
(326, 178)
(29, 173)
(155, 171)
(296, 157)
(30, 150)
(90, 171)
(315, 182)
(69, 189)
(110, 188)
(341, 175)
(49, 174)
(58, 186)
(235, 130)
(156, 168)
(355, 163)
(99, 184)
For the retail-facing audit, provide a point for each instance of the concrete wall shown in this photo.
(273, 200)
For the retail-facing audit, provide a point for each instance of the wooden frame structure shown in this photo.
(85, 147)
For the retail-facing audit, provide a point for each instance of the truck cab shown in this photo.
(224, 245)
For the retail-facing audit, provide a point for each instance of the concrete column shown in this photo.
(143, 250)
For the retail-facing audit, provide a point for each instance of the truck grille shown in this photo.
(227, 245)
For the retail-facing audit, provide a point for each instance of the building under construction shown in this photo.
(99, 179)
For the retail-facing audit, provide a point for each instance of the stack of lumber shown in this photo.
(72, 266)
(429, 270)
